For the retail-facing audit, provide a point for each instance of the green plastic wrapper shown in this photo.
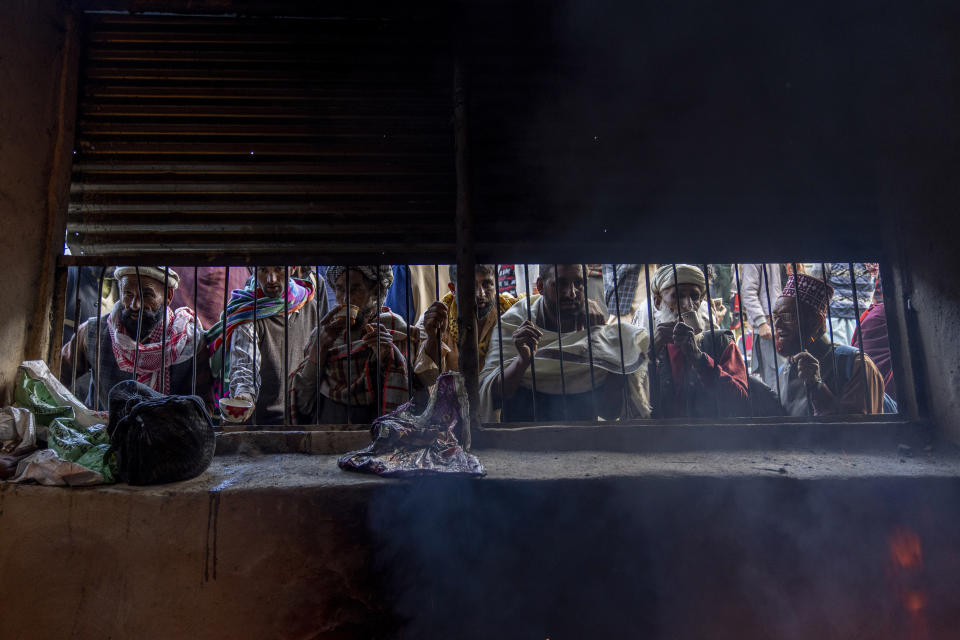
(87, 446)
(72, 430)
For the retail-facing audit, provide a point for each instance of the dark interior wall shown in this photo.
(720, 133)
(36, 114)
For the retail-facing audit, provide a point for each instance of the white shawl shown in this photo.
(576, 360)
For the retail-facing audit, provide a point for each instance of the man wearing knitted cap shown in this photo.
(132, 340)
(356, 356)
(691, 382)
(256, 359)
(819, 378)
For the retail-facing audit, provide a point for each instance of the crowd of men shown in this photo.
(314, 345)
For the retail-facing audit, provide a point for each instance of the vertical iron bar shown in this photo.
(859, 333)
(676, 295)
(224, 346)
(163, 329)
(800, 332)
(136, 339)
(496, 284)
(96, 370)
(833, 352)
(586, 322)
(533, 366)
(196, 321)
(256, 369)
(713, 335)
(409, 304)
(563, 382)
(286, 344)
(379, 378)
(773, 344)
(623, 369)
(349, 345)
(316, 295)
(76, 329)
(652, 365)
(743, 334)
(436, 291)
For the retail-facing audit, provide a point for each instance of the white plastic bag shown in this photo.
(46, 467)
(18, 431)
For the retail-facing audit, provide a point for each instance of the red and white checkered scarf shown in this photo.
(179, 346)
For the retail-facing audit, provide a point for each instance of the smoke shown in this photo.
(659, 557)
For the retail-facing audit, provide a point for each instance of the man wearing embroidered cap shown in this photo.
(819, 378)
(132, 339)
(692, 383)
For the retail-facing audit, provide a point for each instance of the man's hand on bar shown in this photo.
(526, 339)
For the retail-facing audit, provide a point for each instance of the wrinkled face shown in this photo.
(563, 287)
(133, 307)
(272, 281)
(679, 299)
(486, 292)
(363, 293)
(785, 334)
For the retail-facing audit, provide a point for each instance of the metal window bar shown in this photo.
(408, 298)
(713, 336)
(623, 370)
(859, 334)
(743, 335)
(224, 345)
(436, 291)
(96, 369)
(652, 365)
(533, 366)
(317, 300)
(136, 338)
(586, 322)
(773, 344)
(833, 355)
(676, 295)
(349, 346)
(76, 329)
(286, 344)
(163, 329)
(496, 284)
(563, 382)
(256, 369)
(196, 321)
(378, 377)
(800, 333)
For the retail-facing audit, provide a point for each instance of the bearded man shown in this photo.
(441, 319)
(587, 381)
(692, 383)
(819, 377)
(132, 340)
(359, 366)
(254, 369)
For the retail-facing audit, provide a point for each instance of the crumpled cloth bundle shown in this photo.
(158, 438)
(405, 444)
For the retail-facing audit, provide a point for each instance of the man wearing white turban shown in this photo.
(563, 388)
(691, 382)
(135, 338)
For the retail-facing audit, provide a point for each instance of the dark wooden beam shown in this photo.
(466, 261)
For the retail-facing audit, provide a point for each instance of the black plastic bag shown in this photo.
(158, 438)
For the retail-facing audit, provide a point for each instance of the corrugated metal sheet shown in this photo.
(252, 136)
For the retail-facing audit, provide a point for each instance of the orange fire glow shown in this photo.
(905, 549)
